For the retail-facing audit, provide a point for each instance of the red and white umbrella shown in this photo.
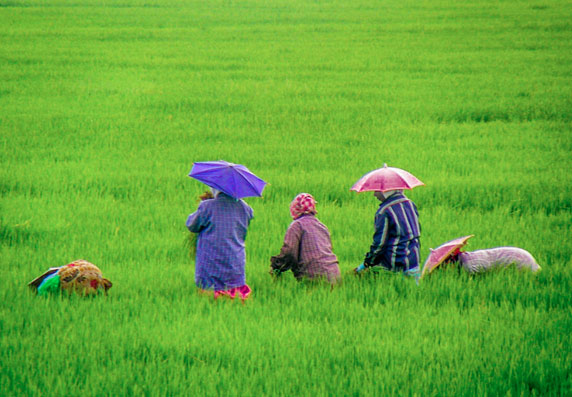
(442, 253)
(386, 178)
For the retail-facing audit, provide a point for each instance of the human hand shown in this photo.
(273, 272)
(207, 195)
(360, 269)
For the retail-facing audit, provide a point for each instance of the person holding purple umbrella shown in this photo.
(221, 224)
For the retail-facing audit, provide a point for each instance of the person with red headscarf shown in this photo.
(307, 248)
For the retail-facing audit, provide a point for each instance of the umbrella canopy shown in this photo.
(35, 283)
(233, 179)
(386, 178)
(442, 253)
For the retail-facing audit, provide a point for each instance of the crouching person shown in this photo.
(480, 261)
(80, 276)
(395, 244)
(307, 248)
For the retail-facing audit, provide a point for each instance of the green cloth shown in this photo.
(50, 284)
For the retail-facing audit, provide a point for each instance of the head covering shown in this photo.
(302, 204)
(82, 277)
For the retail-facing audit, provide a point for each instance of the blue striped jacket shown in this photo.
(396, 239)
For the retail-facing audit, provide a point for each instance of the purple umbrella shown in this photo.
(233, 179)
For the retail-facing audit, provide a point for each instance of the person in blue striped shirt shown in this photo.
(395, 244)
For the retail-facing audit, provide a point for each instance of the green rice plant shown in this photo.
(105, 105)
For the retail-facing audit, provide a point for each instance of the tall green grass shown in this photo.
(105, 105)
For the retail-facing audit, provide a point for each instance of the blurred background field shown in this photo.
(104, 106)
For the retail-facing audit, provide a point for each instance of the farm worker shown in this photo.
(307, 248)
(79, 276)
(395, 245)
(486, 259)
(221, 224)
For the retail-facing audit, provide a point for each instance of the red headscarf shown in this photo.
(302, 204)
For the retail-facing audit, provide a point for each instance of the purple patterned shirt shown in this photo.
(308, 241)
(221, 223)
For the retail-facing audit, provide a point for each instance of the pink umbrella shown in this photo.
(442, 253)
(386, 178)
